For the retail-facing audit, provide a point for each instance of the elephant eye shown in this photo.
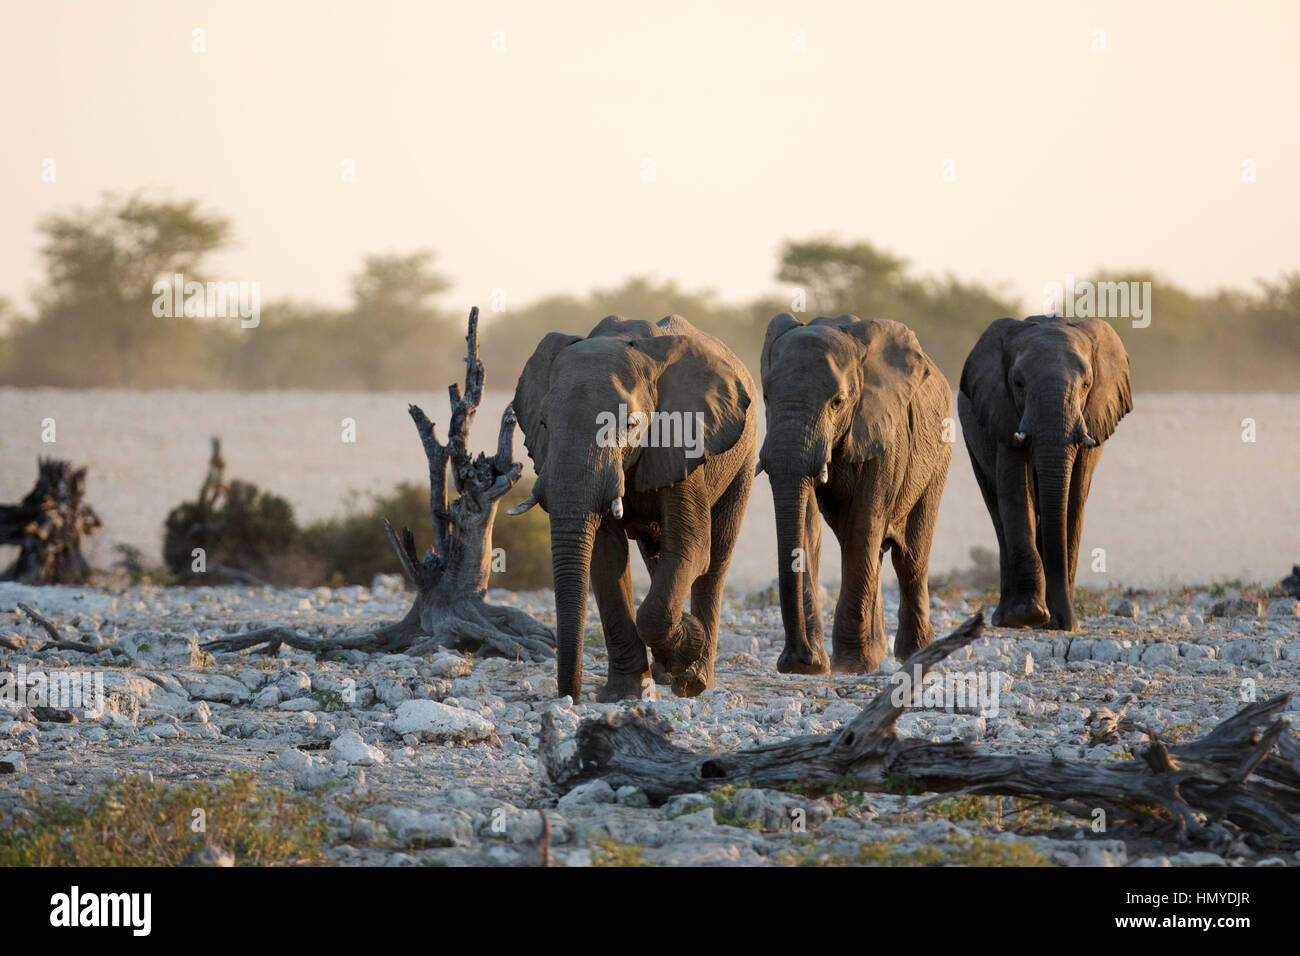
(837, 401)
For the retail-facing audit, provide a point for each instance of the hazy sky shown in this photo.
(524, 169)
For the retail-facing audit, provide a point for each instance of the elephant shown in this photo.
(855, 431)
(1038, 399)
(674, 476)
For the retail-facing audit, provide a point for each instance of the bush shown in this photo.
(252, 531)
(526, 540)
(354, 548)
(137, 822)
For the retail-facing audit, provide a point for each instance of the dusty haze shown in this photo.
(1178, 497)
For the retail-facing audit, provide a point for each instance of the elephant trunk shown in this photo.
(572, 538)
(790, 497)
(1054, 467)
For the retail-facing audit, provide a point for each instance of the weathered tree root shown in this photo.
(49, 526)
(451, 579)
(1240, 780)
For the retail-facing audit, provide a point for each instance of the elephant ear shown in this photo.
(891, 368)
(779, 325)
(984, 381)
(694, 377)
(534, 382)
(1111, 395)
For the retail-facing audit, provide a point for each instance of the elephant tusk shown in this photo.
(1019, 439)
(616, 508)
(1088, 441)
(526, 505)
(825, 476)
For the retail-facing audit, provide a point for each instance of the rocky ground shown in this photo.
(434, 760)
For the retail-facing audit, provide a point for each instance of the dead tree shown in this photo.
(451, 578)
(1240, 780)
(48, 526)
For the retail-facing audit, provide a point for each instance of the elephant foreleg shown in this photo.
(611, 583)
(1085, 462)
(814, 629)
(858, 635)
(679, 641)
(912, 563)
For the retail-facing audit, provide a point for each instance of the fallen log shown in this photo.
(1241, 780)
(451, 578)
(48, 526)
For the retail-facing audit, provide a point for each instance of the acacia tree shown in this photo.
(95, 323)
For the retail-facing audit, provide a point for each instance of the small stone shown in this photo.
(53, 715)
(293, 760)
(268, 698)
(300, 703)
(209, 856)
(1283, 609)
(13, 763)
(587, 794)
(432, 720)
(630, 796)
(1124, 607)
(349, 747)
(1238, 607)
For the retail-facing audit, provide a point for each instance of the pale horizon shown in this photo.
(523, 169)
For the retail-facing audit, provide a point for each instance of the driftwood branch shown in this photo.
(57, 642)
(1240, 780)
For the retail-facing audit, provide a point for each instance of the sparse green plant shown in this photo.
(606, 851)
(137, 822)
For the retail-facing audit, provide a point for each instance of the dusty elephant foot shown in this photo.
(1020, 612)
(908, 643)
(1063, 621)
(803, 660)
(686, 659)
(627, 687)
(855, 662)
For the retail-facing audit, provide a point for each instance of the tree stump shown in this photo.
(48, 526)
(451, 578)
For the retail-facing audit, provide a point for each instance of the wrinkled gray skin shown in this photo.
(1038, 398)
(683, 512)
(859, 401)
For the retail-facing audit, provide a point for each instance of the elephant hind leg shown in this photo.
(725, 519)
(912, 564)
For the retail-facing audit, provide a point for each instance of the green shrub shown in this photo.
(138, 822)
(251, 531)
(354, 548)
(526, 540)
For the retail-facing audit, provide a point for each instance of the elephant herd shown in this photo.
(859, 431)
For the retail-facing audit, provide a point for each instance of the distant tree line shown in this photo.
(94, 323)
